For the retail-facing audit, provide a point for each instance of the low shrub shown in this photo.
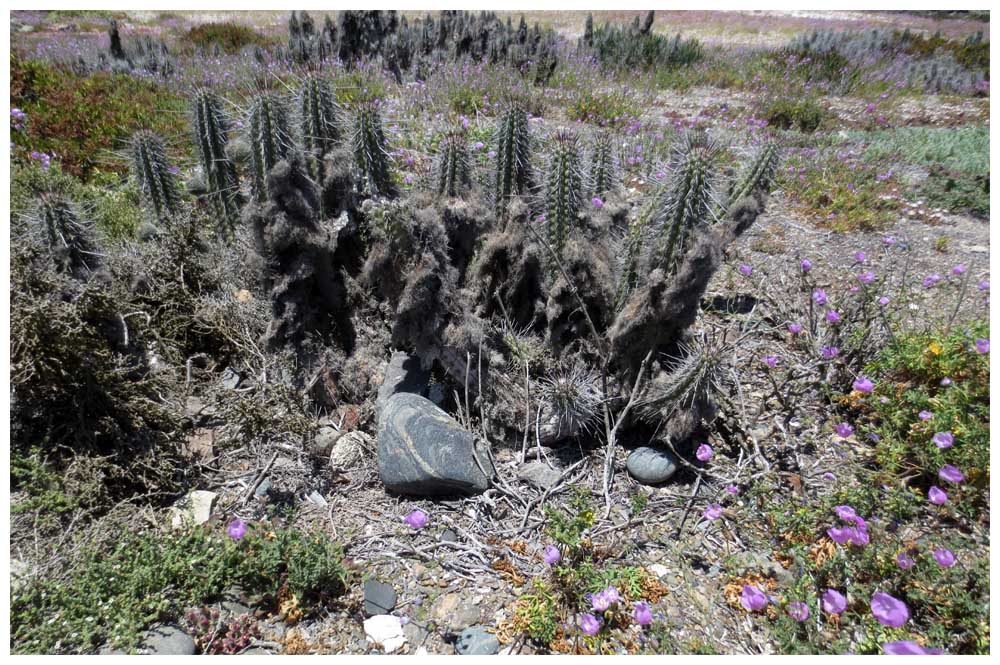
(228, 36)
(804, 114)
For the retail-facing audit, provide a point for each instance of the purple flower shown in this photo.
(597, 202)
(745, 270)
(840, 534)
(982, 346)
(829, 352)
(889, 611)
(642, 614)
(951, 474)
(931, 280)
(937, 496)
(860, 256)
(798, 610)
(806, 265)
(752, 598)
(846, 513)
(732, 489)
(959, 269)
(866, 277)
(704, 452)
(819, 297)
(889, 241)
(478, 145)
(589, 624)
(237, 529)
(465, 122)
(863, 385)
(843, 431)
(551, 554)
(827, 475)
(599, 602)
(794, 328)
(770, 361)
(944, 557)
(833, 602)
(946, 382)
(833, 316)
(883, 301)
(943, 440)
(908, 648)
(984, 285)
(925, 415)
(712, 512)
(417, 519)
(904, 561)
(612, 595)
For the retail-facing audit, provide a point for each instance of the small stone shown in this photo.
(449, 536)
(263, 488)
(385, 629)
(539, 474)
(451, 611)
(380, 598)
(195, 508)
(475, 641)
(230, 378)
(651, 465)
(317, 498)
(199, 445)
(193, 407)
(235, 608)
(167, 640)
(324, 441)
(350, 450)
(658, 569)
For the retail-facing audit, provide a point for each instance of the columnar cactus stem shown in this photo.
(564, 195)
(320, 122)
(453, 175)
(371, 152)
(211, 132)
(687, 201)
(67, 235)
(602, 173)
(152, 172)
(513, 173)
(270, 139)
(757, 173)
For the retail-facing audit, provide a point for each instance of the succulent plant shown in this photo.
(320, 120)
(757, 174)
(371, 152)
(564, 193)
(452, 173)
(270, 139)
(686, 201)
(68, 236)
(211, 133)
(602, 171)
(513, 170)
(153, 173)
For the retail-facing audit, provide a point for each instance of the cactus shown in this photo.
(320, 122)
(371, 152)
(156, 181)
(452, 172)
(513, 173)
(602, 175)
(269, 137)
(211, 130)
(573, 398)
(564, 195)
(686, 200)
(68, 236)
(757, 173)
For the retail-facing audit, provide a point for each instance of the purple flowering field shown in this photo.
(481, 332)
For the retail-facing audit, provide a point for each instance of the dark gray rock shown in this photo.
(167, 640)
(402, 375)
(263, 488)
(651, 465)
(380, 598)
(475, 641)
(422, 451)
(539, 474)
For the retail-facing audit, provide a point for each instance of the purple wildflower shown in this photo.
(843, 431)
(770, 361)
(959, 269)
(829, 352)
(904, 561)
(860, 256)
(642, 614)
(888, 610)
(982, 346)
(819, 297)
(416, 519)
(931, 280)
(846, 513)
(945, 558)
(745, 270)
(752, 598)
(794, 328)
(597, 202)
(943, 440)
(806, 265)
(833, 316)
(798, 610)
(833, 602)
(866, 277)
(925, 415)
(589, 624)
(883, 301)
(551, 554)
(951, 474)
(863, 385)
(237, 529)
(704, 452)
(908, 648)
(712, 512)
(937, 496)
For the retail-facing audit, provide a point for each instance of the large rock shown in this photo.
(403, 375)
(380, 598)
(422, 451)
(167, 640)
(651, 465)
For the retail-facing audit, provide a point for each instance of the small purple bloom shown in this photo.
(860, 256)
(828, 475)
(589, 624)
(863, 385)
(833, 316)
(794, 328)
(416, 519)
(883, 301)
(951, 474)
(798, 610)
(931, 280)
(944, 558)
(551, 554)
(959, 269)
(642, 614)
(704, 452)
(984, 285)
(478, 145)
(599, 602)
(597, 202)
(846, 513)
(806, 265)
(925, 415)
(888, 610)
(237, 529)
(819, 297)
(943, 440)
(946, 381)
(712, 512)
(904, 561)
(982, 346)
(732, 489)
(752, 598)
(612, 595)
(833, 602)
(830, 352)
(908, 648)
(770, 361)
(745, 270)
(840, 534)
(889, 241)
(843, 431)
(937, 496)
(866, 277)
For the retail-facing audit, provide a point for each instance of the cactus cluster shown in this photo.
(757, 174)
(211, 133)
(270, 139)
(371, 152)
(68, 236)
(564, 191)
(153, 174)
(452, 170)
(513, 159)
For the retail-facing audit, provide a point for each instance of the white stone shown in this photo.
(386, 630)
(195, 508)
(658, 569)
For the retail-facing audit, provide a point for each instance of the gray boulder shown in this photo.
(651, 465)
(380, 598)
(422, 451)
(403, 375)
(167, 640)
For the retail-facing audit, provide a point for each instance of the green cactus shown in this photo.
(513, 172)
(757, 173)
(211, 132)
(320, 119)
(68, 236)
(152, 171)
(686, 201)
(694, 377)
(453, 175)
(371, 152)
(269, 137)
(602, 175)
(564, 194)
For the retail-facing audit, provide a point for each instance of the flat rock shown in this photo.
(422, 451)
(380, 598)
(317, 499)
(651, 465)
(385, 629)
(195, 508)
(455, 612)
(167, 640)
(539, 474)
(199, 445)
(402, 375)
(475, 641)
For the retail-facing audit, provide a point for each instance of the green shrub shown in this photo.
(228, 36)
(605, 109)
(623, 48)
(965, 149)
(804, 113)
(956, 192)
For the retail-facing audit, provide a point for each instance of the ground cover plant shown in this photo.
(478, 332)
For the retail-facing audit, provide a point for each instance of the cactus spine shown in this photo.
(270, 139)
(602, 165)
(564, 195)
(152, 172)
(371, 152)
(453, 175)
(513, 156)
(211, 131)
(686, 201)
(757, 174)
(68, 236)
(320, 122)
